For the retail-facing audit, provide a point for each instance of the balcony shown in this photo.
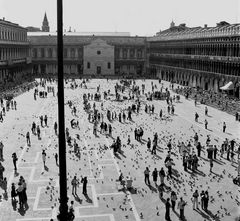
(199, 57)
(11, 62)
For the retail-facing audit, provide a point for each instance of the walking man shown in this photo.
(84, 181)
(206, 124)
(2, 169)
(44, 155)
(146, 176)
(56, 158)
(181, 205)
(14, 158)
(1, 150)
(149, 144)
(195, 199)
(28, 139)
(74, 183)
(206, 111)
(224, 127)
(55, 128)
(162, 175)
(167, 214)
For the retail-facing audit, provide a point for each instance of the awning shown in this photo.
(228, 86)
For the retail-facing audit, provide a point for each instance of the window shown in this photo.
(132, 53)
(117, 53)
(72, 53)
(109, 65)
(42, 53)
(50, 53)
(65, 53)
(88, 65)
(79, 52)
(124, 53)
(139, 53)
(35, 53)
(98, 52)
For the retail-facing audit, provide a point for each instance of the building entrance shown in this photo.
(98, 69)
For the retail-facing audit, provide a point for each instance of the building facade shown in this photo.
(14, 53)
(120, 54)
(98, 58)
(203, 57)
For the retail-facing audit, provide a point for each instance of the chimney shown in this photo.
(205, 26)
(3, 18)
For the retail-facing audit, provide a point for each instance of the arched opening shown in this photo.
(206, 85)
(237, 90)
(216, 85)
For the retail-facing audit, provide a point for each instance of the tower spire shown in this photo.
(45, 24)
(172, 24)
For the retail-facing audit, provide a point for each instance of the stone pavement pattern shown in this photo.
(105, 201)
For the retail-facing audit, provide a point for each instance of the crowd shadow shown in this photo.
(199, 172)
(152, 188)
(77, 199)
(23, 209)
(88, 199)
(219, 162)
(219, 175)
(208, 215)
(122, 153)
(14, 204)
(46, 168)
(16, 174)
(176, 213)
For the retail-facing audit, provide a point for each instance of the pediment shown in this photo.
(99, 42)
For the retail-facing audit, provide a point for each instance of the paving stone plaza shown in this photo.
(90, 155)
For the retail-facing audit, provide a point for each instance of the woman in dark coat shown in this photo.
(13, 192)
(167, 214)
(24, 192)
(20, 194)
(206, 199)
(84, 182)
(155, 175)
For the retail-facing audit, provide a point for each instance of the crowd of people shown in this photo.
(102, 120)
(208, 97)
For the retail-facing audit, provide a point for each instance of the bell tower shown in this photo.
(172, 24)
(45, 25)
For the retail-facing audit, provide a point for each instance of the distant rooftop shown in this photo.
(121, 34)
(183, 32)
(5, 22)
(74, 38)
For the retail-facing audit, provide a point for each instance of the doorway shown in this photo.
(99, 69)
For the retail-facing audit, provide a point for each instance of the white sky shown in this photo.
(139, 17)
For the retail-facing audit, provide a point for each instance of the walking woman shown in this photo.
(173, 200)
(155, 175)
(206, 199)
(44, 158)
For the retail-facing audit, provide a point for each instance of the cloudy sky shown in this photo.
(139, 17)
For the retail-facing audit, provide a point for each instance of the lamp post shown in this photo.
(63, 208)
